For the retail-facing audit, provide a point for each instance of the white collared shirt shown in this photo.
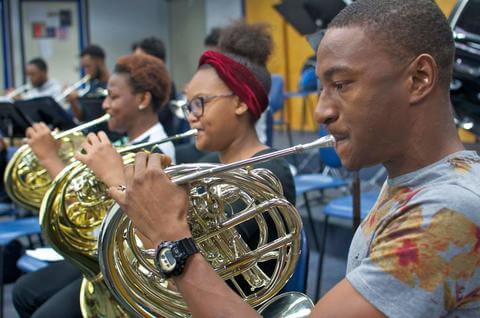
(157, 133)
(49, 88)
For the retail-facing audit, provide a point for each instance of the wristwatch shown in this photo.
(171, 256)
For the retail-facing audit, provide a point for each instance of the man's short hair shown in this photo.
(405, 28)
(152, 46)
(39, 63)
(94, 51)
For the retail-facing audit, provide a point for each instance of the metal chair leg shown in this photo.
(30, 242)
(311, 221)
(304, 112)
(40, 239)
(320, 259)
(290, 141)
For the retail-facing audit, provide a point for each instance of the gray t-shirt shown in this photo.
(417, 253)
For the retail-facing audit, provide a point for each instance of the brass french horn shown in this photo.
(216, 192)
(70, 216)
(26, 180)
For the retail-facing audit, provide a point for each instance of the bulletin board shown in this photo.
(53, 30)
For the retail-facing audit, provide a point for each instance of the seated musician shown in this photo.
(155, 47)
(37, 74)
(92, 60)
(138, 87)
(385, 66)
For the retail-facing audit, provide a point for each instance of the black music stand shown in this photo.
(12, 122)
(91, 107)
(47, 110)
(310, 17)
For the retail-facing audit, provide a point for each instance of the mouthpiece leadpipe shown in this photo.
(323, 142)
(72, 88)
(189, 133)
(81, 127)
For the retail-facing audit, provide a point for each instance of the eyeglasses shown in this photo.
(197, 105)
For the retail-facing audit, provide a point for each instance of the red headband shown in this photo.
(239, 79)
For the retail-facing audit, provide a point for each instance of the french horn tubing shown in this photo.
(70, 216)
(26, 180)
(222, 198)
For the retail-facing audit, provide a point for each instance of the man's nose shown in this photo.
(325, 112)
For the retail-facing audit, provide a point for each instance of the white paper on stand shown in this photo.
(47, 254)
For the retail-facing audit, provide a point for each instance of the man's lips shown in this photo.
(339, 137)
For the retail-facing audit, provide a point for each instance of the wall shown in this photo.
(2, 66)
(116, 24)
(113, 24)
(61, 55)
(221, 12)
(446, 5)
(187, 31)
(16, 49)
(190, 21)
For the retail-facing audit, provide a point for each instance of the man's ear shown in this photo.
(423, 74)
(241, 108)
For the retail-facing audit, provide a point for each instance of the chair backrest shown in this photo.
(276, 95)
(329, 156)
(308, 81)
(298, 281)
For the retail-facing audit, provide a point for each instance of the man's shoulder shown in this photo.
(461, 193)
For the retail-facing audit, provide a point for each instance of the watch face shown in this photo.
(166, 261)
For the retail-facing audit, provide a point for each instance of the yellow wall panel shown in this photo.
(446, 5)
(290, 52)
(262, 11)
(299, 50)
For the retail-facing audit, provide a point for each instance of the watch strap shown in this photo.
(181, 251)
(188, 245)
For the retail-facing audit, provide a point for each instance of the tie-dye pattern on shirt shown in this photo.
(417, 253)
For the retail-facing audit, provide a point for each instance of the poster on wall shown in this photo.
(55, 24)
(52, 30)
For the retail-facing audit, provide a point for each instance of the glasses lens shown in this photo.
(196, 106)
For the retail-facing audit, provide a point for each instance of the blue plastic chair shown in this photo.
(276, 98)
(305, 183)
(28, 264)
(7, 209)
(298, 281)
(9, 231)
(341, 207)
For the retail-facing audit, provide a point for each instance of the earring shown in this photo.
(141, 107)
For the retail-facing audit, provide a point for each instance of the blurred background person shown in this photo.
(155, 47)
(36, 71)
(92, 61)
